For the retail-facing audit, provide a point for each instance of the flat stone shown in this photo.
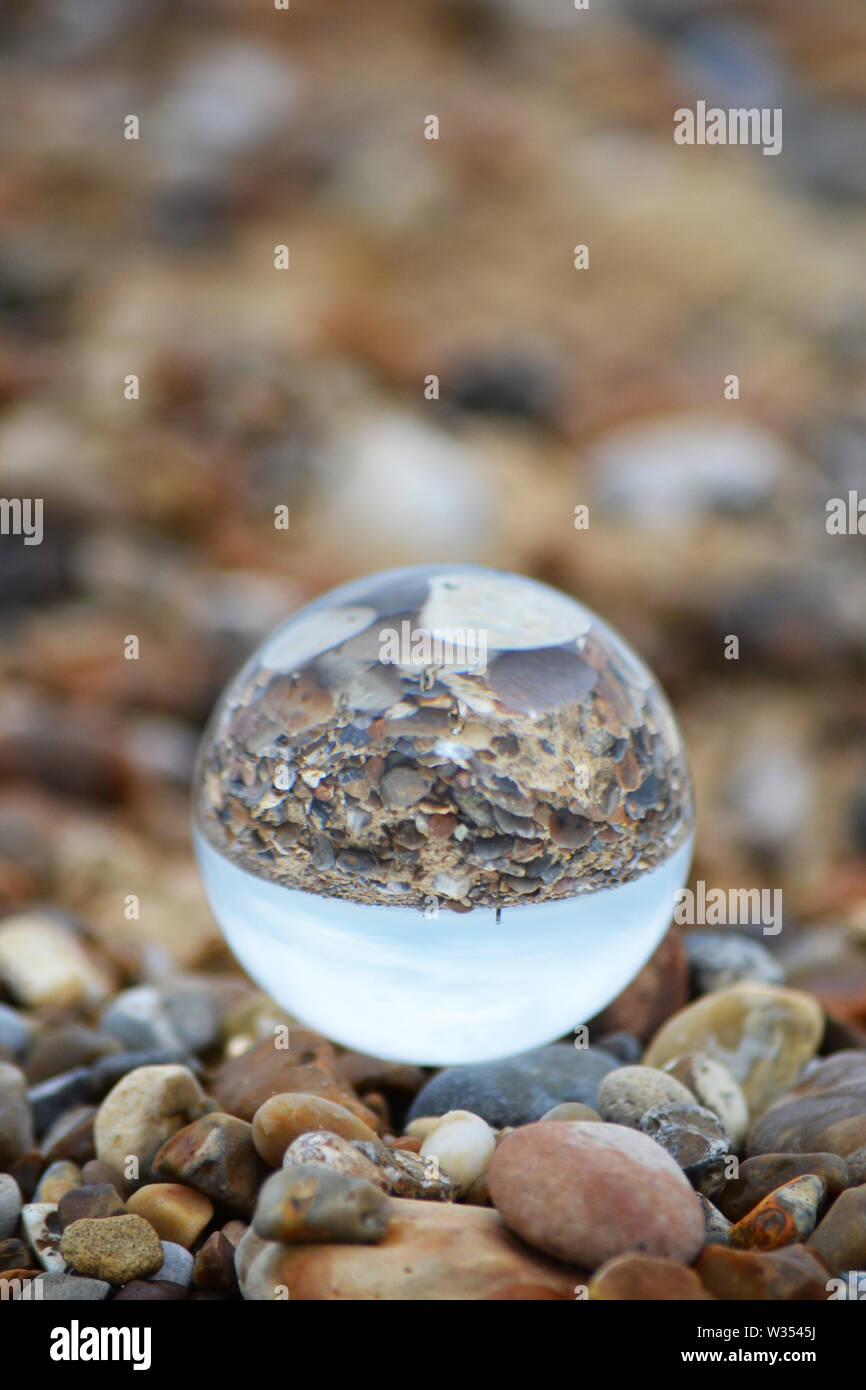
(69, 1288)
(117, 1248)
(216, 1156)
(309, 1202)
(774, 1275)
(280, 1121)
(825, 1113)
(431, 1252)
(585, 1192)
(625, 1095)
(178, 1214)
(763, 1034)
(761, 1175)
(637, 1278)
(784, 1217)
(516, 1090)
(840, 1239)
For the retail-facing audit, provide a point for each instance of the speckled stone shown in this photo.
(625, 1095)
(116, 1248)
(585, 1192)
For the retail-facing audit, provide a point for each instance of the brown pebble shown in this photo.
(840, 1239)
(640, 1278)
(283, 1118)
(308, 1065)
(58, 1179)
(151, 1291)
(94, 1202)
(741, 1275)
(761, 1175)
(71, 1136)
(214, 1266)
(784, 1217)
(97, 1172)
(234, 1231)
(13, 1253)
(215, 1155)
(176, 1213)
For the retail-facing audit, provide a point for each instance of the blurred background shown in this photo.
(305, 388)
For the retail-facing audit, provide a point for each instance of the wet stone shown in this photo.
(694, 1137)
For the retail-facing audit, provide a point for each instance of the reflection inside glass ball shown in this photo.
(442, 814)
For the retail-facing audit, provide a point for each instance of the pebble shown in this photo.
(71, 1136)
(309, 1202)
(627, 1048)
(334, 1152)
(585, 1192)
(462, 1145)
(10, 1205)
(93, 1201)
(773, 1275)
(712, 1085)
(825, 1113)
(516, 1090)
(116, 1248)
(840, 1238)
(60, 1287)
(716, 1226)
(96, 1172)
(16, 1031)
(183, 1015)
(16, 1123)
(42, 1233)
(432, 1252)
(177, 1264)
(142, 1111)
(178, 1214)
(65, 1049)
(280, 1121)
(763, 1034)
(45, 965)
(784, 1217)
(308, 1065)
(637, 1278)
(214, 1265)
(719, 958)
(51, 1099)
(760, 1176)
(216, 1156)
(106, 1073)
(58, 1179)
(695, 1139)
(625, 1095)
(570, 1110)
(407, 1174)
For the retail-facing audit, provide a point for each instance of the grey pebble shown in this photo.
(58, 1287)
(10, 1204)
(720, 958)
(177, 1266)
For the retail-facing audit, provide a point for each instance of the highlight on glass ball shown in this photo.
(442, 814)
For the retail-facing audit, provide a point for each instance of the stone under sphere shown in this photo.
(442, 814)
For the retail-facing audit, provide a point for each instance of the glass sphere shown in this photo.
(442, 814)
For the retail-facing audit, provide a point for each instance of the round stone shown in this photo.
(454, 794)
(585, 1192)
(625, 1095)
(116, 1248)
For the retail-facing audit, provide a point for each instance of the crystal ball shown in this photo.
(442, 814)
